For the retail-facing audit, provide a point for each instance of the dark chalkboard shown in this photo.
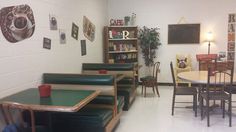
(184, 34)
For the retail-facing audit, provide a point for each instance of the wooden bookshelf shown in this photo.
(120, 49)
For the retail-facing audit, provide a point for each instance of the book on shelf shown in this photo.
(123, 34)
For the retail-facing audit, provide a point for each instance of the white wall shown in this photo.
(211, 14)
(22, 63)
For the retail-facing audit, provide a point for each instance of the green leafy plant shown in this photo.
(149, 40)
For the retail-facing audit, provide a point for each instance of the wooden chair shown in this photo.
(151, 81)
(231, 89)
(14, 116)
(215, 90)
(184, 91)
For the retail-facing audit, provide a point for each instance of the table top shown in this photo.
(60, 100)
(198, 77)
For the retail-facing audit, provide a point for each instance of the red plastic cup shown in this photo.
(44, 90)
(102, 71)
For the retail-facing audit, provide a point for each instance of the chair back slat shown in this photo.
(156, 69)
(173, 75)
(219, 79)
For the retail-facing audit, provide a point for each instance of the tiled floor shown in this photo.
(153, 114)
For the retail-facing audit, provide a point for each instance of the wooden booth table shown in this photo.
(59, 101)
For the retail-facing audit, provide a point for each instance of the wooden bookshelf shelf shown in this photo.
(130, 39)
(115, 52)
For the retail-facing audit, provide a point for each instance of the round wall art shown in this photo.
(17, 23)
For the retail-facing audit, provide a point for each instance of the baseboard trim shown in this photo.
(161, 84)
(171, 84)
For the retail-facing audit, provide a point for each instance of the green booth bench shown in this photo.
(125, 87)
(101, 115)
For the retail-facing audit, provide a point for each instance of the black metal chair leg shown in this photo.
(157, 91)
(173, 105)
(142, 88)
(195, 105)
(223, 108)
(230, 113)
(208, 114)
(145, 88)
(201, 107)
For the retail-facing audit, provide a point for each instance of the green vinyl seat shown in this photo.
(85, 120)
(126, 92)
(126, 80)
(103, 99)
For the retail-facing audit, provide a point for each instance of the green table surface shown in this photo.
(60, 100)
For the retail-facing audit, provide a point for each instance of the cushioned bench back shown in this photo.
(93, 68)
(105, 83)
(109, 67)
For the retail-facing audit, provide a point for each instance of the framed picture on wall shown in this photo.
(230, 56)
(83, 47)
(184, 34)
(46, 43)
(62, 35)
(17, 23)
(75, 31)
(53, 22)
(88, 29)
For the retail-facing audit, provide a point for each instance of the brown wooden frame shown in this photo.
(59, 108)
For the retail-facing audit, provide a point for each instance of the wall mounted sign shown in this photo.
(88, 29)
(83, 47)
(184, 34)
(231, 37)
(75, 31)
(17, 23)
(62, 36)
(53, 22)
(116, 22)
(46, 43)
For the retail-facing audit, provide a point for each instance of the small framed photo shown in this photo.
(62, 35)
(83, 47)
(230, 56)
(53, 22)
(222, 56)
(46, 43)
(75, 31)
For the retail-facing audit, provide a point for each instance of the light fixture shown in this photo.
(209, 39)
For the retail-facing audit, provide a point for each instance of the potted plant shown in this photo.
(149, 40)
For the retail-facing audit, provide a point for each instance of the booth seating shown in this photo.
(100, 115)
(125, 87)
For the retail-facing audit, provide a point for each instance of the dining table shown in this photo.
(199, 77)
(59, 100)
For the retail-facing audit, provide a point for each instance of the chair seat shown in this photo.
(216, 95)
(146, 78)
(186, 91)
(233, 89)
